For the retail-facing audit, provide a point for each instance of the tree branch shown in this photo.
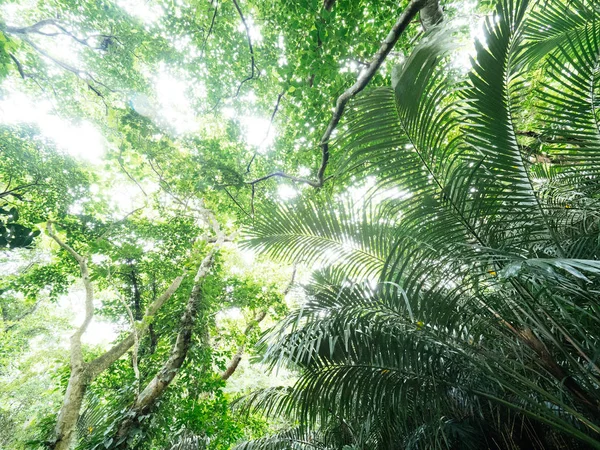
(76, 354)
(85, 76)
(16, 320)
(363, 80)
(250, 47)
(210, 29)
(102, 362)
(163, 378)
(62, 30)
(237, 358)
(19, 66)
(281, 174)
(279, 97)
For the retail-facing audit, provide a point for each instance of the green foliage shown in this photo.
(483, 314)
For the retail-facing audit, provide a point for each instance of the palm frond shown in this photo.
(553, 23)
(290, 439)
(313, 234)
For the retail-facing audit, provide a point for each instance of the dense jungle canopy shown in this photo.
(299, 224)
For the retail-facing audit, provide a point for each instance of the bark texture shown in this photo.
(431, 14)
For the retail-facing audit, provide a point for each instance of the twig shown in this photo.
(110, 227)
(259, 317)
(37, 29)
(18, 188)
(212, 24)
(252, 200)
(136, 340)
(30, 311)
(236, 202)
(288, 288)
(281, 174)
(76, 353)
(120, 161)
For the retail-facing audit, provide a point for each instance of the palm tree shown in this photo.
(462, 310)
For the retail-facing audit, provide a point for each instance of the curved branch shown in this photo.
(76, 354)
(427, 8)
(250, 47)
(237, 358)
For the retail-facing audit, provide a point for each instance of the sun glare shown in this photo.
(80, 139)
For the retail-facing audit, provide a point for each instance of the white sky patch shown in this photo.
(286, 192)
(174, 103)
(234, 313)
(126, 196)
(358, 193)
(258, 132)
(15, 260)
(462, 58)
(255, 34)
(228, 112)
(304, 171)
(81, 139)
(391, 194)
(142, 9)
(12, 13)
(248, 256)
(99, 332)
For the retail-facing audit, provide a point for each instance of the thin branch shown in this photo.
(81, 74)
(62, 30)
(161, 181)
(136, 341)
(18, 188)
(160, 382)
(237, 358)
(288, 288)
(110, 227)
(259, 317)
(16, 320)
(279, 97)
(30, 29)
(120, 161)
(236, 202)
(252, 61)
(252, 200)
(19, 65)
(102, 362)
(76, 354)
(210, 29)
(280, 174)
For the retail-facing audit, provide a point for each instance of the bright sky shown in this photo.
(80, 139)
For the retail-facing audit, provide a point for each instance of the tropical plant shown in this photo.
(481, 327)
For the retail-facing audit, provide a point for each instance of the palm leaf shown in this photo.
(323, 235)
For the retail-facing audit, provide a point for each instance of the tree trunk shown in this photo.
(156, 387)
(69, 411)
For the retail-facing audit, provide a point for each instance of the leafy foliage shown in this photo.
(483, 315)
